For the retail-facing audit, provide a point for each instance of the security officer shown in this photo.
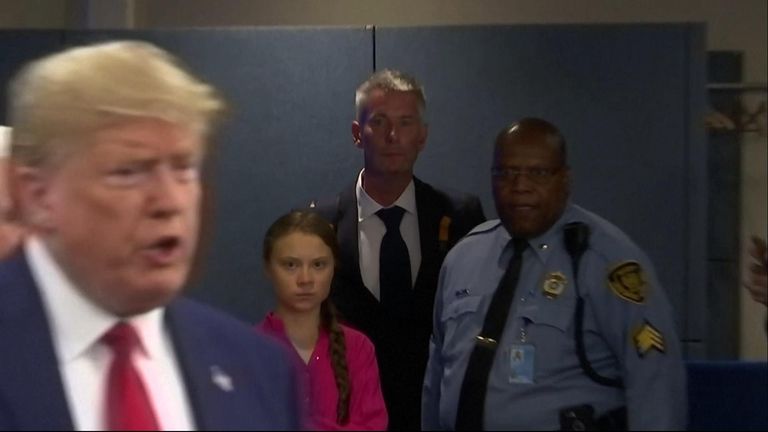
(587, 340)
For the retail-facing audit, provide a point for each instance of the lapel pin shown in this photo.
(445, 226)
(443, 234)
(221, 379)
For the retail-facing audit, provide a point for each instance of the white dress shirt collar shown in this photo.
(5, 141)
(367, 206)
(76, 322)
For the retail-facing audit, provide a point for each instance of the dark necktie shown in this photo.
(473, 389)
(128, 405)
(394, 261)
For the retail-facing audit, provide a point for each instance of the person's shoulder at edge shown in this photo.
(476, 235)
(328, 205)
(317, 203)
(486, 227)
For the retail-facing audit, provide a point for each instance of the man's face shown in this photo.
(530, 184)
(120, 214)
(390, 132)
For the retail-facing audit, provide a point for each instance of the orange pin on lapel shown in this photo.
(442, 237)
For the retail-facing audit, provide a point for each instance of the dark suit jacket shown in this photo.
(401, 336)
(31, 388)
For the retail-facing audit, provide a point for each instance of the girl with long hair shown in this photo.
(341, 388)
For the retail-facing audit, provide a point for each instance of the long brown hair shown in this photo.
(311, 223)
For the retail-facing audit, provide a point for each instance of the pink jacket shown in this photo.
(366, 406)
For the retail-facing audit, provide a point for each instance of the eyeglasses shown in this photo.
(537, 175)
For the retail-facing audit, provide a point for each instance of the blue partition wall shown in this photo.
(629, 99)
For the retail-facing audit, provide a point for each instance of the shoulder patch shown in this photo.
(627, 280)
(485, 227)
(646, 338)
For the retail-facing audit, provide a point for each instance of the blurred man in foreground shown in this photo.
(106, 151)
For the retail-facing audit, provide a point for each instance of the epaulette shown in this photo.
(485, 227)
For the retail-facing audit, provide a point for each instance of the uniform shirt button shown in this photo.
(543, 246)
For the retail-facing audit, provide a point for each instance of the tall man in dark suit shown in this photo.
(385, 285)
(106, 150)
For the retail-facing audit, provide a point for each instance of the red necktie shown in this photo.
(128, 405)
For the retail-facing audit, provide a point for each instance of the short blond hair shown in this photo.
(81, 89)
(389, 80)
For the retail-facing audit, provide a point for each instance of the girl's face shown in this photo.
(301, 269)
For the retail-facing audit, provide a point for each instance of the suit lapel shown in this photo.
(31, 388)
(430, 213)
(199, 368)
(347, 230)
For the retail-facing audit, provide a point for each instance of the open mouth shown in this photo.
(164, 251)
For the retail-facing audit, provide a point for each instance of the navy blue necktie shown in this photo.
(394, 261)
(471, 405)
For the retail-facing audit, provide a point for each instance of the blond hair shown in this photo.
(389, 80)
(55, 99)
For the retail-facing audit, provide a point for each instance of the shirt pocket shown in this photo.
(549, 327)
(460, 322)
(462, 306)
(557, 316)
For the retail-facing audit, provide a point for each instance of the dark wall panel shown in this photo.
(16, 48)
(621, 95)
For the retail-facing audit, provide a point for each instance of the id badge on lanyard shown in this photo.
(521, 360)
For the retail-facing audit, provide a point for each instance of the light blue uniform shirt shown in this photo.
(629, 331)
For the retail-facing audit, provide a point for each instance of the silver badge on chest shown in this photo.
(554, 284)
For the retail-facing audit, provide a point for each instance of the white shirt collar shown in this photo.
(5, 141)
(76, 322)
(367, 206)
